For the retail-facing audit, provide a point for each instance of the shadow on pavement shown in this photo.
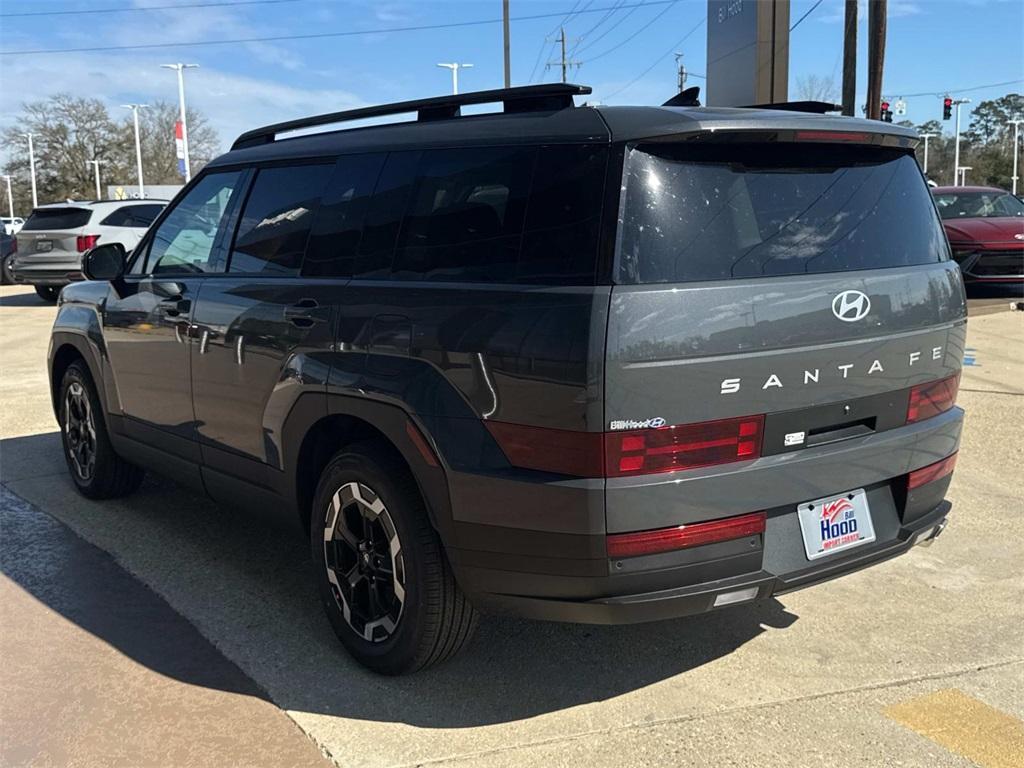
(23, 300)
(249, 588)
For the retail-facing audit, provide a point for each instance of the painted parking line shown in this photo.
(965, 726)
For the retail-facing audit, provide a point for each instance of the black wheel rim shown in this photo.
(365, 565)
(79, 430)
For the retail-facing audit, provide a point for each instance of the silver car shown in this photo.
(54, 237)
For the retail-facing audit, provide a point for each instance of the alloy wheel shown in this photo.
(365, 565)
(80, 430)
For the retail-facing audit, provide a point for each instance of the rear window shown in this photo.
(741, 211)
(56, 218)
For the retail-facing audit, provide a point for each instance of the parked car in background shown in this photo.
(12, 224)
(8, 247)
(54, 237)
(985, 227)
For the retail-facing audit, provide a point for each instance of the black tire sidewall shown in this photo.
(48, 293)
(76, 372)
(399, 652)
(5, 269)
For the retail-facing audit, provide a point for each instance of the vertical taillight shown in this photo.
(933, 398)
(85, 242)
(667, 449)
(931, 473)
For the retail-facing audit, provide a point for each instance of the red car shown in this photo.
(985, 227)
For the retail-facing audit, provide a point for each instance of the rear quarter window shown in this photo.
(741, 211)
(45, 219)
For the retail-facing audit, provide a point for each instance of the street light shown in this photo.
(10, 197)
(927, 136)
(454, 67)
(956, 151)
(96, 166)
(1016, 145)
(138, 146)
(181, 106)
(963, 174)
(32, 168)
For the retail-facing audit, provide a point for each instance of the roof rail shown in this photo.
(815, 107)
(527, 98)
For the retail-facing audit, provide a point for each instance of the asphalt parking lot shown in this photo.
(163, 630)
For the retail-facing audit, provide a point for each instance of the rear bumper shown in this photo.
(700, 597)
(54, 274)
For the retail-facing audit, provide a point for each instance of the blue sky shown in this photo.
(932, 46)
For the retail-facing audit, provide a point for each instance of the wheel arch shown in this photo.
(65, 349)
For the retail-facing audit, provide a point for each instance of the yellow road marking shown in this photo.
(965, 726)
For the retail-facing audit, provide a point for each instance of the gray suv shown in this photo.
(587, 364)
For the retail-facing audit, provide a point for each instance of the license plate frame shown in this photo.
(44, 246)
(849, 523)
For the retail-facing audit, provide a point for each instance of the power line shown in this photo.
(322, 35)
(597, 24)
(955, 90)
(544, 42)
(610, 29)
(809, 12)
(661, 58)
(141, 8)
(615, 47)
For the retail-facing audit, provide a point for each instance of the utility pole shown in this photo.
(956, 148)
(681, 68)
(32, 168)
(181, 107)
(927, 136)
(850, 59)
(508, 53)
(138, 144)
(563, 62)
(96, 167)
(1017, 140)
(454, 67)
(877, 10)
(10, 197)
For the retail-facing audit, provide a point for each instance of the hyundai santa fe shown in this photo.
(577, 363)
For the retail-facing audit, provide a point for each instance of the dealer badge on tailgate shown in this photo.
(835, 523)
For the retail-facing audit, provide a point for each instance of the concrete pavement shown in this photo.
(805, 680)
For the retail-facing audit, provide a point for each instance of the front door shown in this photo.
(148, 315)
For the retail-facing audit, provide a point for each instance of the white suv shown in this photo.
(54, 237)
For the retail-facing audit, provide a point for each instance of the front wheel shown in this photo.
(6, 271)
(384, 580)
(48, 293)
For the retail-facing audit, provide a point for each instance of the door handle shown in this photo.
(304, 313)
(175, 307)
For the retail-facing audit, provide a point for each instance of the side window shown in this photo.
(338, 225)
(120, 217)
(465, 215)
(563, 219)
(276, 219)
(184, 241)
(384, 218)
(143, 215)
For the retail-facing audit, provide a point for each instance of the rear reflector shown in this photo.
(933, 398)
(931, 473)
(683, 536)
(562, 451)
(85, 242)
(667, 449)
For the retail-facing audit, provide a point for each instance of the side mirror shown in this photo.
(104, 262)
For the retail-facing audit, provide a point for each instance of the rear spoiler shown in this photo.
(813, 107)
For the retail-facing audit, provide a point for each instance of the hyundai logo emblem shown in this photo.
(850, 306)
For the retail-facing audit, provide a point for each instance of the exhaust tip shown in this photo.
(928, 537)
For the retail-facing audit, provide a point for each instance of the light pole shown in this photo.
(181, 106)
(10, 197)
(32, 168)
(956, 151)
(454, 67)
(138, 146)
(926, 136)
(96, 167)
(963, 174)
(1017, 141)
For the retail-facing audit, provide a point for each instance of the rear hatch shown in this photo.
(51, 235)
(805, 287)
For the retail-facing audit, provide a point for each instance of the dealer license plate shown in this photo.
(43, 246)
(835, 523)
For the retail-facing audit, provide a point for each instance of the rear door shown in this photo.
(50, 236)
(806, 286)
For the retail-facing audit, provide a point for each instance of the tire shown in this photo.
(48, 293)
(431, 620)
(6, 275)
(97, 471)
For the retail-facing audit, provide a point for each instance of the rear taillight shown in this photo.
(844, 136)
(633, 452)
(667, 449)
(931, 473)
(85, 242)
(683, 536)
(933, 398)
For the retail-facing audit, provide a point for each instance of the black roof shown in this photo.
(532, 114)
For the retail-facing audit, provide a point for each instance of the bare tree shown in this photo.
(156, 133)
(816, 88)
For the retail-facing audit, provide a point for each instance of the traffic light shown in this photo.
(947, 108)
(886, 113)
